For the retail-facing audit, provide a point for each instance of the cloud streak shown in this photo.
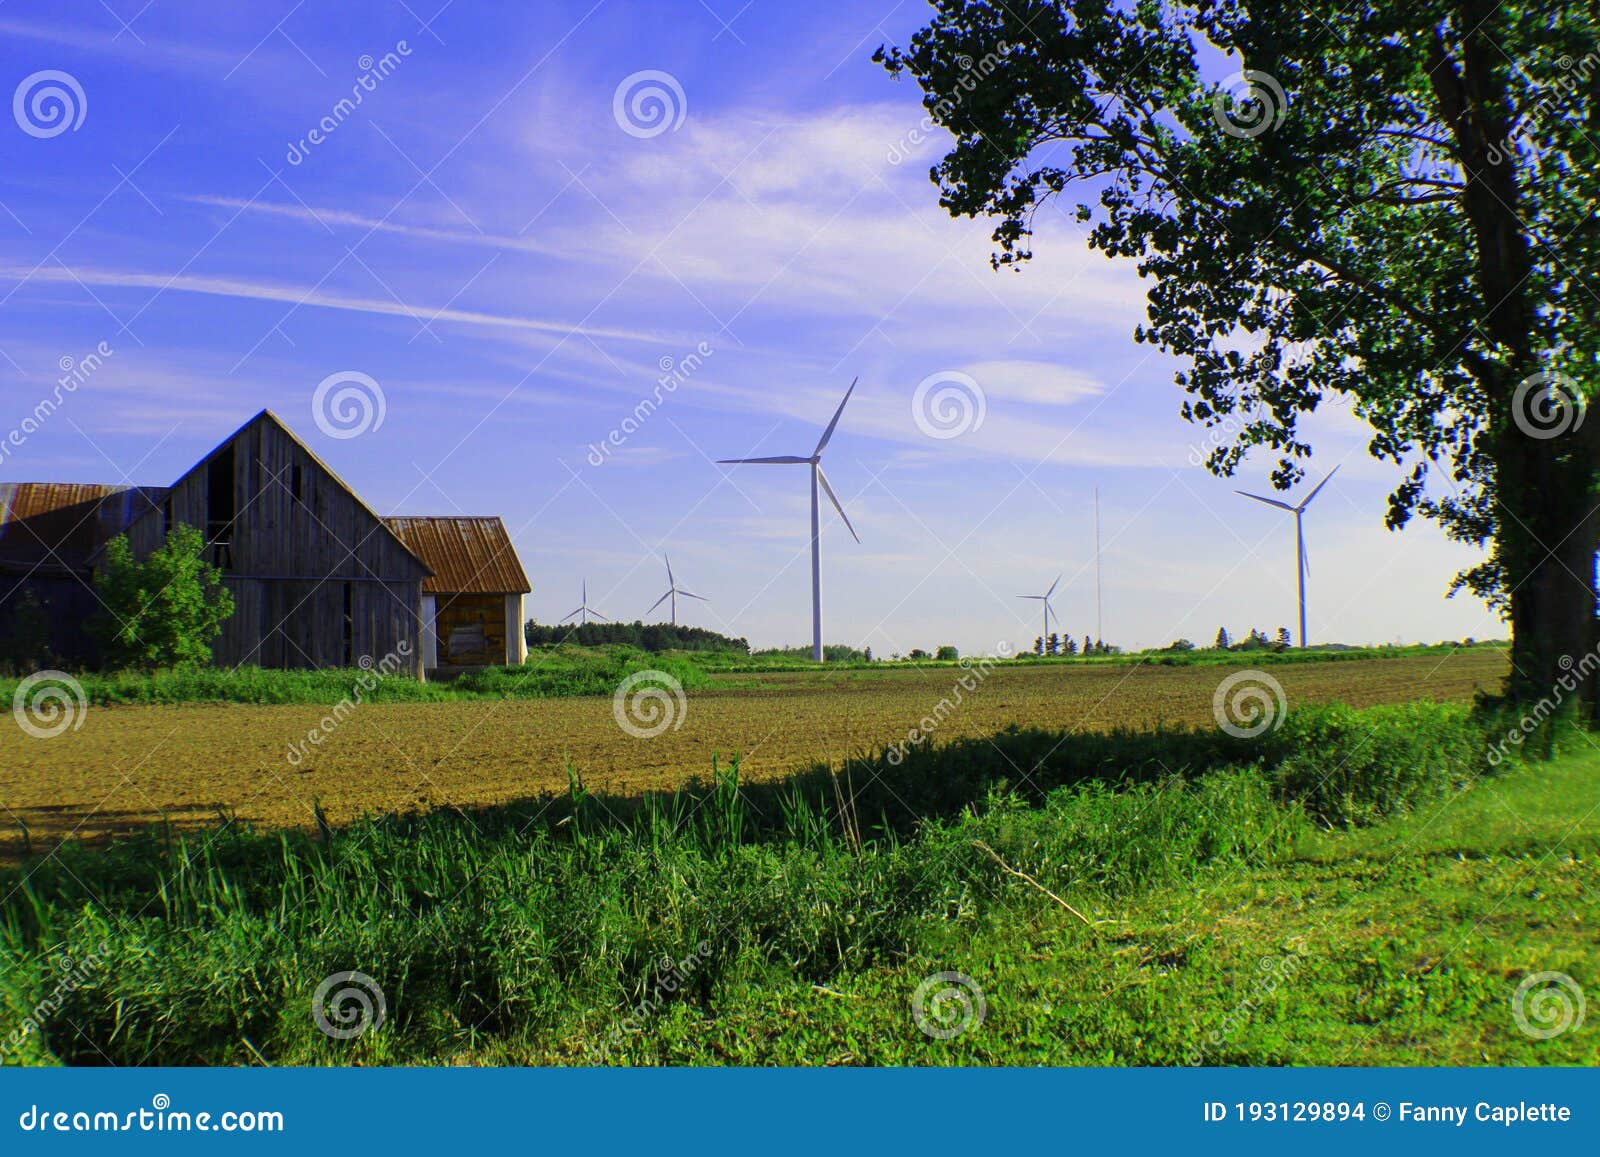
(267, 291)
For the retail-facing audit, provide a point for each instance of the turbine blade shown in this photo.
(670, 583)
(1035, 598)
(834, 498)
(777, 460)
(828, 433)
(598, 615)
(572, 616)
(1268, 501)
(1053, 587)
(1307, 501)
(659, 601)
(692, 595)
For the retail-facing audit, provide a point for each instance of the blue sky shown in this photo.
(511, 249)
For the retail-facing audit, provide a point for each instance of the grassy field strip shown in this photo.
(130, 765)
(1401, 944)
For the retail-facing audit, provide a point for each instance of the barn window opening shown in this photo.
(221, 507)
(297, 483)
(166, 518)
(349, 625)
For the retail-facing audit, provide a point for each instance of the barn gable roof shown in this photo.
(269, 416)
(56, 528)
(467, 555)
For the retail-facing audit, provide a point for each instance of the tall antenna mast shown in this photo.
(1099, 614)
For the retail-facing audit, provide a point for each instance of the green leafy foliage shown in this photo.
(652, 637)
(1387, 219)
(163, 611)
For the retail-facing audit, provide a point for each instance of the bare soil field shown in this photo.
(129, 766)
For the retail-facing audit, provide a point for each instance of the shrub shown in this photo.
(1351, 767)
(164, 611)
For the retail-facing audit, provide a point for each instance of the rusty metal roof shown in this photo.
(54, 527)
(466, 555)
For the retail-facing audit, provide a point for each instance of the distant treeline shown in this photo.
(646, 636)
(831, 652)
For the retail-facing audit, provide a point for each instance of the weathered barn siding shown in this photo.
(49, 532)
(318, 580)
(471, 630)
(472, 602)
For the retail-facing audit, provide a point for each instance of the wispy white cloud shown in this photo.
(325, 218)
(266, 291)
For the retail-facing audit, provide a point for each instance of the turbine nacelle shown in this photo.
(817, 478)
(1302, 560)
(673, 591)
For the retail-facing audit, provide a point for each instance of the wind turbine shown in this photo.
(1301, 565)
(673, 591)
(817, 476)
(585, 610)
(1048, 609)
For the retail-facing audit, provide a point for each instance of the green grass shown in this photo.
(760, 662)
(571, 670)
(1230, 917)
(549, 673)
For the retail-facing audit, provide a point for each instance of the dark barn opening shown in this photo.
(221, 507)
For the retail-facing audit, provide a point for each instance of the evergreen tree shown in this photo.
(1223, 641)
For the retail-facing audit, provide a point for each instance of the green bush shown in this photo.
(162, 611)
(1349, 767)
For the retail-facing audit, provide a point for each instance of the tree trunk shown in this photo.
(1545, 525)
(1547, 538)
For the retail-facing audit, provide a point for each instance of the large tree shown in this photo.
(1394, 205)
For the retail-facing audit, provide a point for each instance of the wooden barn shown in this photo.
(472, 603)
(49, 536)
(318, 578)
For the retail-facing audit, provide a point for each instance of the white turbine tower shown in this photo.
(1301, 565)
(1048, 609)
(585, 610)
(673, 591)
(817, 476)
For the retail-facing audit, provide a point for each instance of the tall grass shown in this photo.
(549, 673)
(552, 927)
